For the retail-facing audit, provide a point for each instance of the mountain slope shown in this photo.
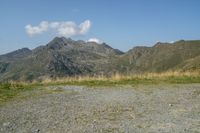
(15, 54)
(66, 57)
(60, 57)
(160, 57)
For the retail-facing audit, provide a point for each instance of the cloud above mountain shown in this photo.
(94, 40)
(64, 28)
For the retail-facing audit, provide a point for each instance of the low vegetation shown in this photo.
(12, 90)
(119, 79)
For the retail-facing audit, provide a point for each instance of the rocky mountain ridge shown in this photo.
(66, 57)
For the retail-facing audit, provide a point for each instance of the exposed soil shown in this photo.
(123, 109)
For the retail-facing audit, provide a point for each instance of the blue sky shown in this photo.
(122, 24)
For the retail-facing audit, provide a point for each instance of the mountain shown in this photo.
(66, 57)
(161, 57)
(60, 57)
(16, 54)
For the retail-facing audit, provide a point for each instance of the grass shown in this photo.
(11, 90)
(119, 79)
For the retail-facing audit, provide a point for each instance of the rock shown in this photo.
(37, 130)
(170, 105)
(6, 124)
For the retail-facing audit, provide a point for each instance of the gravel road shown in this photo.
(123, 109)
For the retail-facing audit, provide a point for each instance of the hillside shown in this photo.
(66, 57)
(161, 57)
(60, 57)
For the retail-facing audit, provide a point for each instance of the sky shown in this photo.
(122, 24)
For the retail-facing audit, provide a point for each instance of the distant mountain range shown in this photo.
(66, 57)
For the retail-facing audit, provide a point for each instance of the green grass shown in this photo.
(182, 79)
(9, 91)
(96, 83)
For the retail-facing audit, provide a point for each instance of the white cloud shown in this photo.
(84, 27)
(54, 24)
(68, 29)
(32, 30)
(65, 28)
(94, 40)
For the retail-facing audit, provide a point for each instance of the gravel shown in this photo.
(123, 109)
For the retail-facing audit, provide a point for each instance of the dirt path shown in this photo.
(155, 108)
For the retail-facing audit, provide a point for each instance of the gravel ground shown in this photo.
(125, 109)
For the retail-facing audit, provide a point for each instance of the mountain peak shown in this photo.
(63, 43)
(18, 53)
(59, 42)
(62, 39)
(22, 50)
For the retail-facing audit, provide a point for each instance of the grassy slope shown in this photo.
(159, 58)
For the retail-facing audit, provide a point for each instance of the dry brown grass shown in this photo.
(117, 77)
